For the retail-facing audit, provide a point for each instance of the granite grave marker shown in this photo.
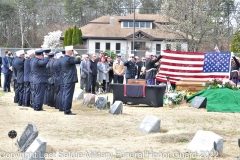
(116, 108)
(27, 137)
(78, 95)
(89, 99)
(36, 150)
(150, 124)
(206, 143)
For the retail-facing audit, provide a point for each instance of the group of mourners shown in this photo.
(44, 77)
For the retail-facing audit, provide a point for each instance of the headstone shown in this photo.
(206, 143)
(27, 137)
(116, 108)
(78, 95)
(150, 124)
(102, 103)
(199, 102)
(36, 151)
(89, 99)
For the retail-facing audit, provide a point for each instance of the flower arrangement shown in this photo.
(219, 83)
(174, 97)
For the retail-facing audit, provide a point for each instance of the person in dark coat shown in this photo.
(234, 70)
(7, 71)
(18, 67)
(46, 51)
(92, 77)
(70, 77)
(40, 78)
(58, 81)
(51, 79)
(131, 70)
(110, 64)
(151, 70)
(27, 79)
(60, 93)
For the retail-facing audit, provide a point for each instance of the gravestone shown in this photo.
(27, 137)
(102, 103)
(78, 95)
(36, 150)
(150, 124)
(199, 102)
(116, 108)
(206, 143)
(89, 99)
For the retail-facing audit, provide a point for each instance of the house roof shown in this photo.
(101, 28)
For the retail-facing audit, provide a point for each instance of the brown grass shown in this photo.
(109, 136)
(103, 133)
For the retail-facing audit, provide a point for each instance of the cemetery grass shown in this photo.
(96, 131)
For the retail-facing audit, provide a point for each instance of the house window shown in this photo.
(148, 25)
(130, 24)
(137, 24)
(97, 47)
(108, 46)
(142, 24)
(168, 46)
(158, 48)
(125, 24)
(178, 47)
(118, 46)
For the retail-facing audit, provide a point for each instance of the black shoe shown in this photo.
(61, 110)
(70, 113)
(94, 93)
(39, 110)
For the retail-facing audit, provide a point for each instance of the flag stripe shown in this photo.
(178, 65)
(183, 58)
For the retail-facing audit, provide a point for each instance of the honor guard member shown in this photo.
(47, 88)
(151, 70)
(70, 77)
(51, 79)
(57, 69)
(131, 71)
(40, 78)
(27, 79)
(60, 103)
(18, 67)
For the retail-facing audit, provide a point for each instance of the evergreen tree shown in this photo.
(80, 36)
(69, 38)
(65, 38)
(74, 36)
(235, 47)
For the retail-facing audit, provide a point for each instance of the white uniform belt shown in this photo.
(151, 69)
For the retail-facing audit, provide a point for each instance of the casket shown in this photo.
(191, 85)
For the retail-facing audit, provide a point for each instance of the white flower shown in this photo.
(52, 40)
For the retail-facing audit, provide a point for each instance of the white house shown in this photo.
(115, 33)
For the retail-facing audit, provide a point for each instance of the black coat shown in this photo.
(27, 70)
(57, 72)
(69, 70)
(51, 77)
(18, 68)
(38, 67)
(93, 67)
(131, 71)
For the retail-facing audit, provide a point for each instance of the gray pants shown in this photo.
(84, 83)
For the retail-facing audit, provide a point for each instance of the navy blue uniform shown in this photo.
(131, 71)
(51, 97)
(27, 88)
(18, 68)
(39, 79)
(69, 73)
(58, 84)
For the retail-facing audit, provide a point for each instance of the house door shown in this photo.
(137, 46)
